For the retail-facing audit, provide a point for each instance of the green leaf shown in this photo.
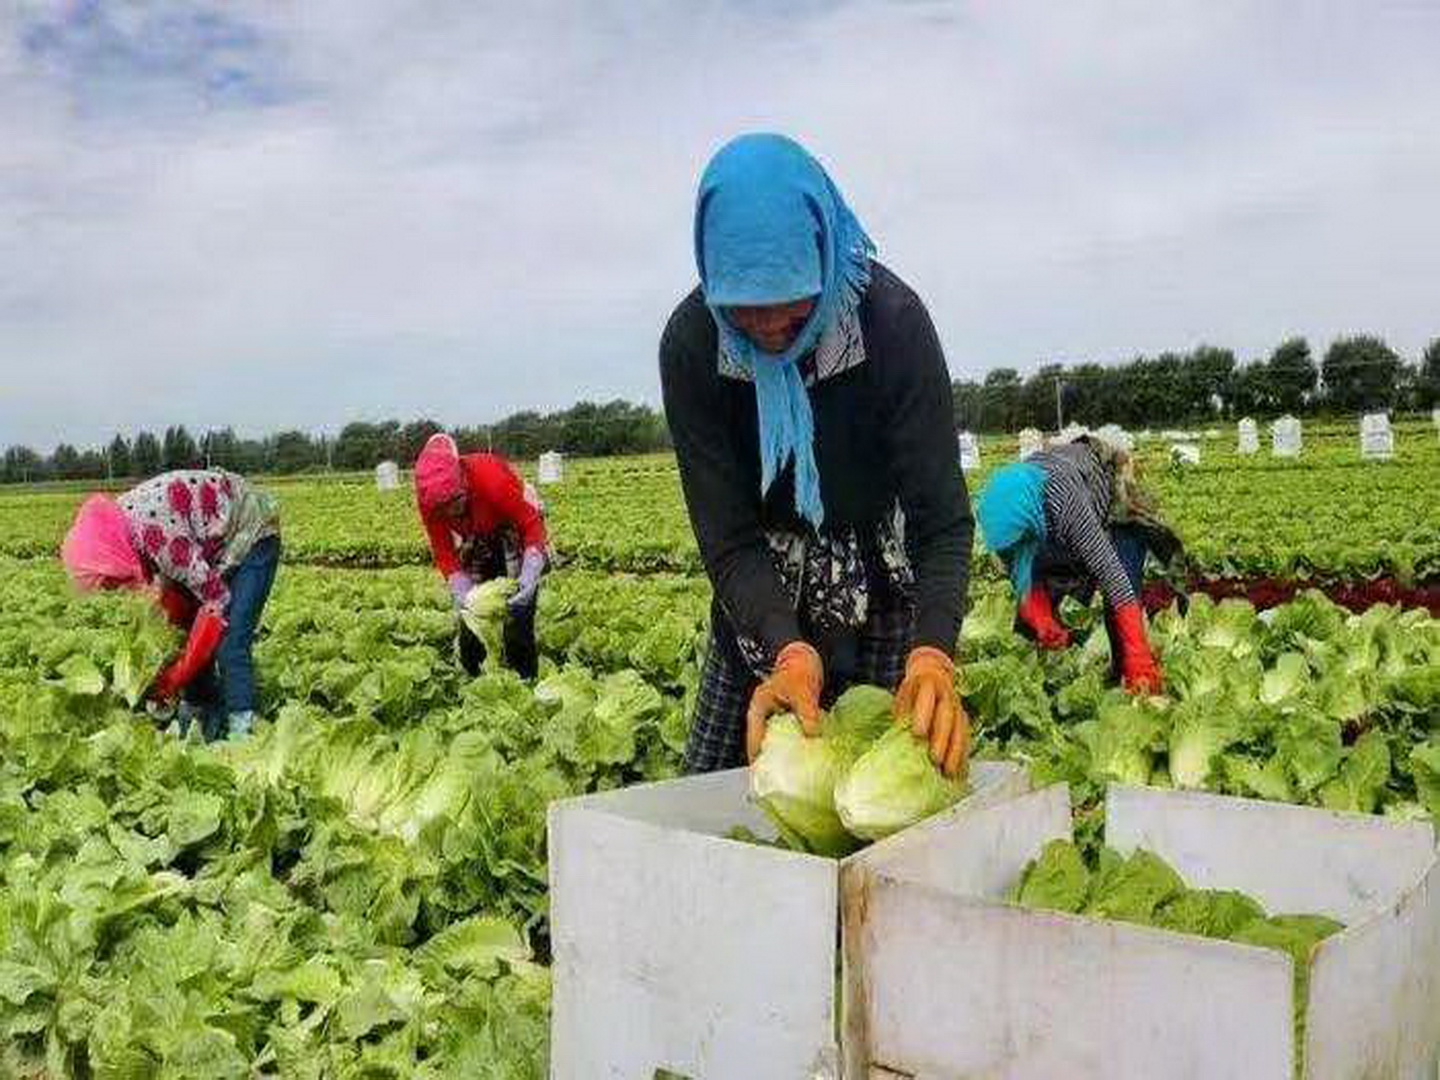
(1058, 880)
(475, 946)
(314, 981)
(80, 676)
(1362, 777)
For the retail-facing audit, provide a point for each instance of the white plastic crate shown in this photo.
(550, 469)
(387, 476)
(1247, 436)
(678, 949)
(969, 451)
(1117, 436)
(956, 982)
(1377, 439)
(1185, 453)
(1285, 437)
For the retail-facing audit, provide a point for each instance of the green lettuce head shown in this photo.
(893, 785)
(793, 779)
(794, 776)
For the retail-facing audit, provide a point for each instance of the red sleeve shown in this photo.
(504, 491)
(178, 605)
(442, 544)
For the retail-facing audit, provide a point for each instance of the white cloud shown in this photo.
(460, 209)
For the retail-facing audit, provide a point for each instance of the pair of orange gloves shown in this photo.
(926, 700)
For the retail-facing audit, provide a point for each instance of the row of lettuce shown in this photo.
(1317, 517)
(360, 889)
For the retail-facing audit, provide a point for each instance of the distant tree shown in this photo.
(145, 457)
(411, 440)
(1206, 377)
(966, 395)
(523, 434)
(292, 452)
(93, 465)
(1000, 400)
(21, 465)
(1292, 376)
(1250, 391)
(65, 462)
(219, 449)
(1037, 397)
(180, 451)
(251, 456)
(1361, 373)
(117, 457)
(361, 446)
(1427, 382)
(1084, 397)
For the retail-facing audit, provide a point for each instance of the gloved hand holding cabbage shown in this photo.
(861, 778)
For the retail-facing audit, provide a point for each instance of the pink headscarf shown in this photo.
(98, 550)
(438, 477)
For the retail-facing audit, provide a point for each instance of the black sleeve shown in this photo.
(724, 504)
(925, 459)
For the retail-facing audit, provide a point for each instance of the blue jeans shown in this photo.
(1130, 546)
(234, 664)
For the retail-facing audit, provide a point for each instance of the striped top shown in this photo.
(1077, 505)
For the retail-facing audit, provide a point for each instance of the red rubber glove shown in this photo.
(177, 604)
(199, 648)
(1036, 612)
(1138, 668)
(794, 684)
(928, 700)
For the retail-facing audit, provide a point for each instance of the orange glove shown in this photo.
(927, 698)
(794, 684)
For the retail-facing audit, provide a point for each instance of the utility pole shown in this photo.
(1059, 412)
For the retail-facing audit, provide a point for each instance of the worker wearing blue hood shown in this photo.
(810, 408)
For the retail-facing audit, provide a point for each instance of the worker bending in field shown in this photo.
(810, 408)
(1065, 520)
(207, 542)
(484, 522)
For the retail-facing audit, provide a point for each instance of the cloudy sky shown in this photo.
(273, 214)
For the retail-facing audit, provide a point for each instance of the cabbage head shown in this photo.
(794, 776)
(793, 779)
(893, 785)
(484, 613)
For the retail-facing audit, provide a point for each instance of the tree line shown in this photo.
(1357, 374)
(585, 430)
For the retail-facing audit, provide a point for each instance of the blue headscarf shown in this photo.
(771, 227)
(1011, 511)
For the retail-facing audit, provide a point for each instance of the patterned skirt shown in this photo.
(854, 596)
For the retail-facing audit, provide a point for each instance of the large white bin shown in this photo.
(677, 949)
(954, 982)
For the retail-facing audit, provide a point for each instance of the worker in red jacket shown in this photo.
(483, 522)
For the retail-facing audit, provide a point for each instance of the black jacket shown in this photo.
(884, 431)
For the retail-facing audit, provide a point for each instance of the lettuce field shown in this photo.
(359, 890)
